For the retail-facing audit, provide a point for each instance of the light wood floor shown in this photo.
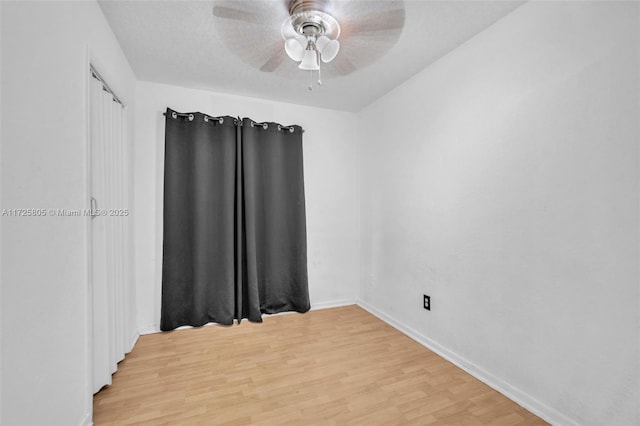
(332, 366)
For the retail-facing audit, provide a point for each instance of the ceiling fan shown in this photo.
(345, 35)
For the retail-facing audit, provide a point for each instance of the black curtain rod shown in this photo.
(264, 125)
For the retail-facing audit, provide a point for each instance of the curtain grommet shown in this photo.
(190, 117)
(279, 127)
(252, 124)
(265, 126)
(291, 129)
(220, 120)
(174, 114)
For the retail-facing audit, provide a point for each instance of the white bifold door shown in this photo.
(111, 281)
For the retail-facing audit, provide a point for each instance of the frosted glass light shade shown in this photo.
(294, 48)
(321, 42)
(330, 51)
(309, 61)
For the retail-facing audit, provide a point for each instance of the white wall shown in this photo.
(503, 182)
(46, 48)
(331, 188)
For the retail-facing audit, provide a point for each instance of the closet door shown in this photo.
(101, 351)
(110, 248)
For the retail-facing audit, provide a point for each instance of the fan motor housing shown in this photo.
(297, 6)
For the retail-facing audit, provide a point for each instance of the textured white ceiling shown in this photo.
(182, 43)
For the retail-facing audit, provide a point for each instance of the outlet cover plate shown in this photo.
(426, 302)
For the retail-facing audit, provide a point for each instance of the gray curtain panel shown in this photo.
(274, 239)
(198, 267)
(234, 243)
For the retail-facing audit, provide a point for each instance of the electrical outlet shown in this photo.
(426, 302)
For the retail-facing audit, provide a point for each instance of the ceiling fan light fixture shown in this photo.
(317, 31)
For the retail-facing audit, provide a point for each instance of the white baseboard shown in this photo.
(332, 304)
(523, 399)
(88, 420)
(149, 329)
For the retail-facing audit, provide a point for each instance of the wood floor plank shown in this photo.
(334, 366)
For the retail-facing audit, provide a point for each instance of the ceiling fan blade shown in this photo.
(235, 14)
(391, 20)
(273, 62)
(343, 66)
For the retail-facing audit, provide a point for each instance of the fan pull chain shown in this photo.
(319, 68)
(319, 80)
